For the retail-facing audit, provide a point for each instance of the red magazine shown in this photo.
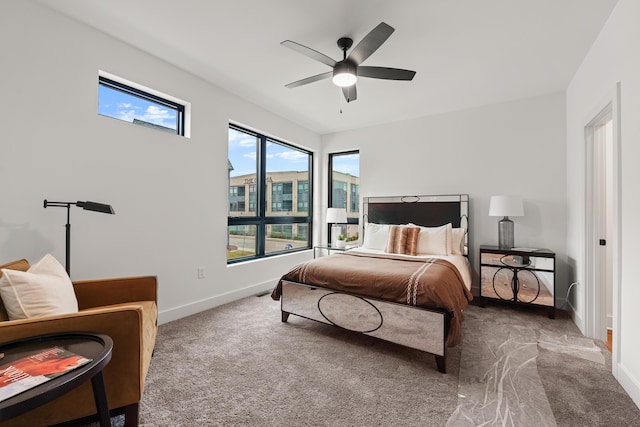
(29, 371)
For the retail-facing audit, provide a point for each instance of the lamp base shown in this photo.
(336, 230)
(505, 233)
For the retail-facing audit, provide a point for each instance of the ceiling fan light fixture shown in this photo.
(344, 79)
(344, 74)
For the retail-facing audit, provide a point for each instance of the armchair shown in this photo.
(123, 308)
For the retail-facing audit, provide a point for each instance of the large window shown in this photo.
(344, 182)
(123, 102)
(269, 196)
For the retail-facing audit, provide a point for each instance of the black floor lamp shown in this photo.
(87, 206)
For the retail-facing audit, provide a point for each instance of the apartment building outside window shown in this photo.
(275, 215)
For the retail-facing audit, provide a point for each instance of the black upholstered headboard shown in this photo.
(428, 211)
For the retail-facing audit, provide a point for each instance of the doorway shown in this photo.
(602, 225)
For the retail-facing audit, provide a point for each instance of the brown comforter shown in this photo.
(434, 283)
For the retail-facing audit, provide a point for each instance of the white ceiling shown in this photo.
(466, 53)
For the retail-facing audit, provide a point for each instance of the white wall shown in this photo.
(613, 58)
(511, 148)
(169, 192)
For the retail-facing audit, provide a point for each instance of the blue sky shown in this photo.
(242, 154)
(348, 163)
(126, 107)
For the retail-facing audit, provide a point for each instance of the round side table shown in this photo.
(92, 346)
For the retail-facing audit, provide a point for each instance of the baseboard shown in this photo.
(206, 304)
(630, 384)
(576, 317)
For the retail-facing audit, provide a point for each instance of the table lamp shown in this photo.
(336, 216)
(506, 206)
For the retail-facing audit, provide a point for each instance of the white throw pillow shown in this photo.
(457, 241)
(43, 290)
(435, 240)
(375, 236)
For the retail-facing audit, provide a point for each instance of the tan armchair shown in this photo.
(126, 310)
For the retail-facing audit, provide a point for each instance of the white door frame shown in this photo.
(595, 301)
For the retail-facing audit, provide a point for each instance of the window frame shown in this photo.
(355, 220)
(261, 220)
(139, 93)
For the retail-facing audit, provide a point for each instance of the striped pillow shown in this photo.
(402, 240)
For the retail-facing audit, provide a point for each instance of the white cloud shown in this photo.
(127, 115)
(292, 156)
(158, 115)
(240, 139)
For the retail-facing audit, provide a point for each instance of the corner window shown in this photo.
(344, 182)
(123, 102)
(269, 196)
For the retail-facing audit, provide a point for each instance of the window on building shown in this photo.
(339, 193)
(281, 197)
(354, 203)
(252, 197)
(236, 199)
(303, 196)
(344, 182)
(124, 102)
(274, 177)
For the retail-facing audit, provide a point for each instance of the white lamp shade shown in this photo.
(506, 206)
(336, 215)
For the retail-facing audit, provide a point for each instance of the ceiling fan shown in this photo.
(346, 72)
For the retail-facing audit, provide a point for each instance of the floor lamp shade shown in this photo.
(87, 206)
(336, 216)
(506, 206)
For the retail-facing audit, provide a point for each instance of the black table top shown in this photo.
(92, 346)
(517, 251)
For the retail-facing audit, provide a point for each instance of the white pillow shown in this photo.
(457, 241)
(375, 236)
(43, 290)
(435, 240)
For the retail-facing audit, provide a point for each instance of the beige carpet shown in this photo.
(238, 365)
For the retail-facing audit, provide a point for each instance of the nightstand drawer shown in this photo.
(530, 261)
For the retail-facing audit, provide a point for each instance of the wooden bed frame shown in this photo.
(415, 327)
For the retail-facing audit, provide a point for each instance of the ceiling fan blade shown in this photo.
(307, 51)
(310, 79)
(350, 93)
(385, 73)
(371, 42)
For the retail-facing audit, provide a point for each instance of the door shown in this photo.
(602, 226)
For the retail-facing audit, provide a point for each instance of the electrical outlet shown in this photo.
(202, 272)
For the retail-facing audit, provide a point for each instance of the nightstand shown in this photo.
(330, 248)
(521, 276)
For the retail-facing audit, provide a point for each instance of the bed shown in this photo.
(408, 282)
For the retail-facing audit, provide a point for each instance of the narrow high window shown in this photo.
(344, 182)
(123, 102)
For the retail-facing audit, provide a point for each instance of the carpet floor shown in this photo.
(239, 365)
